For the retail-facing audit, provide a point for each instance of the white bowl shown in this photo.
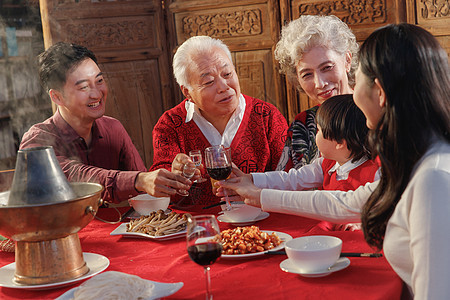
(144, 204)
(314, 253)
(241, 212)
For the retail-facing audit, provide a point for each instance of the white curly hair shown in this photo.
(307, 32)
(193, 46)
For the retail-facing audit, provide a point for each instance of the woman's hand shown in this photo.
(242, 184)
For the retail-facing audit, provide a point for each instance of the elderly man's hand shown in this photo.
(178, 164)
(161, 183)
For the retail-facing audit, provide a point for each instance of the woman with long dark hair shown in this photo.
(403, 88)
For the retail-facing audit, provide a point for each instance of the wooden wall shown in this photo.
(433, 16)
(135, 41)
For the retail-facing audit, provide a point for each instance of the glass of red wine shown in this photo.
(218, 165)
(204, 244)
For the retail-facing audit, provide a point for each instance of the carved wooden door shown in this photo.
(129, 39)
(434, 16)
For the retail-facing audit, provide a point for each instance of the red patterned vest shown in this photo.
(358, 176)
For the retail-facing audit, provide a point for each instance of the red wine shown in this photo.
(205, 254)
(219, 173)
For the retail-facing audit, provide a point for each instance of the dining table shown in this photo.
(254, 277)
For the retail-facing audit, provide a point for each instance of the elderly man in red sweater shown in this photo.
(215, 113)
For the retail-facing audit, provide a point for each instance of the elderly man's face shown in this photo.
(214, 85)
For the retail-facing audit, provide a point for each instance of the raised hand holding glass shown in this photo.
(188, 172)
(196, 156)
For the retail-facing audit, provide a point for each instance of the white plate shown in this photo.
(122, 230)
(342, 263)
(161, 290)
(283, 236)
(96, 263)
(263, 215)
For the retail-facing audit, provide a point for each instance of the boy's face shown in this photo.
(328, 148)
(83, 96)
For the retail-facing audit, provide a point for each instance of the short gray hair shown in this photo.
(307, 32)
(193, 46)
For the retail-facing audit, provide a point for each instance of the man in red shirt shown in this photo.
(88, 145)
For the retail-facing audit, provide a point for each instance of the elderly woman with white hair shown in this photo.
(215, 113)
(318, 55)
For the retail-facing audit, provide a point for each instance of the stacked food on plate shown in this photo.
(158, 223)
(249, 239)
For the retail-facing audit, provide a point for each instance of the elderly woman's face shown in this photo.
(214, 85)
(322, 73)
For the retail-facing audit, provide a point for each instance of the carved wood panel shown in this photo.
(255, 71)
(129, 40)
(433, 15)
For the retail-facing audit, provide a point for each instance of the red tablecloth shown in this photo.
(256, 278)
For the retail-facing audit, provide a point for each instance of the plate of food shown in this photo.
(157, 226)
(250, 241)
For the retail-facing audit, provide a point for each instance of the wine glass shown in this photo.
(218, 165)
(188, 172)
(196, 156)
(204, 244)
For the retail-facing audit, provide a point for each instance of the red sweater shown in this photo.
(356, 177)
(256, 146)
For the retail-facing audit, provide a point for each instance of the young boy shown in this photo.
(345, 162)
(342, 141)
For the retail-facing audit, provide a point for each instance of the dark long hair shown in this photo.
(341, 120)
(414, 73)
